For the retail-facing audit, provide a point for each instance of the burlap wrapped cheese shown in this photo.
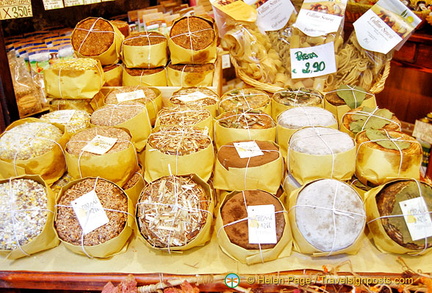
(30, 146)
(129, 115)
(346, 98)
(145, 76)
(27, 213)
(113, 74)
(292, 119)
(74, 214)
(187, 75)
(145, 50)
(75, 78)
(288, 98)
(149, 96)
(241, 100)
(233, 222)
(251, 125)
(178, 151)
(399, 219)
(186, 203)
(116, 164)
(321, 152)
(385, 155)
(362, 118)
(97, 38)
(196, 96)
(193, 40)
(256, 165)
(327, 217)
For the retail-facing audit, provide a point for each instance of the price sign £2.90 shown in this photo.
(15, 9)
(313, 61)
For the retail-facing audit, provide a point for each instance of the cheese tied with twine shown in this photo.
(387, 140)
(100, 144)
(89, 211)
(352, 95)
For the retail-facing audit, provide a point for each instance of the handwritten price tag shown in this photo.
(313, 61)
(10, 9)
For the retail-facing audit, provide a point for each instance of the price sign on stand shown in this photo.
(10, 9)
(313, 61)
(53, 4)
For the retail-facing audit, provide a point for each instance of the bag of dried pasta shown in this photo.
(256, 61)
(364, 59)
(315, 41)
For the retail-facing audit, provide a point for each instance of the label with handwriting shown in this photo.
(10, 9)
(262, 224)
(89, 211)
(248, 149)
(313, 61)
(100, 144)
(130, 96)
(417, 218)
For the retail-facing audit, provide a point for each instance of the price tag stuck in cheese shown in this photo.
(100, 144)
(90, 212)
(313, 61)
(417, 218)
(248, 149)
(130, 96)
(62, 116)
(262, 224)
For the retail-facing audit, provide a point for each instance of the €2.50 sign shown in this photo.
(10, 9)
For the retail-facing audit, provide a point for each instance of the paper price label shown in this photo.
(248, 149)
(62, 116)
(69, 3)
(417, 218)
(89, 211)
(226, 61)
(53, 4)
(313, 61)
(192, 97)
(262, 224)
(100, 144)
(10, 9)
(130, 96)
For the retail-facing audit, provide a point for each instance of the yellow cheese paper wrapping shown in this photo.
(158, 164)
(377, 231)
(47, 238)
(282, 249)
(151, 77)
(50, 165)
(339, 111)
(193, 32)
(134, 185)
(112, 54)
(301, 244)
(117, 167)
(64, 83)
(204, 235)
(113, 75)
(88, 105)
(224, 135)
(267, 177)
(149, 56)
(190, 75)
(376, 165)
(111, 247)
(284, 134)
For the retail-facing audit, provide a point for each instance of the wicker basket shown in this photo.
(375, 88)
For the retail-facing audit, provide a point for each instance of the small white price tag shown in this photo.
(313, 61)
(69, 3)
(100, 144)
(226, 61)
(248, 149)
(62, 116)
(130, 96)
(262, 224)
(52, 4)
(192, 97)
(417, 218)
(90, 212)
